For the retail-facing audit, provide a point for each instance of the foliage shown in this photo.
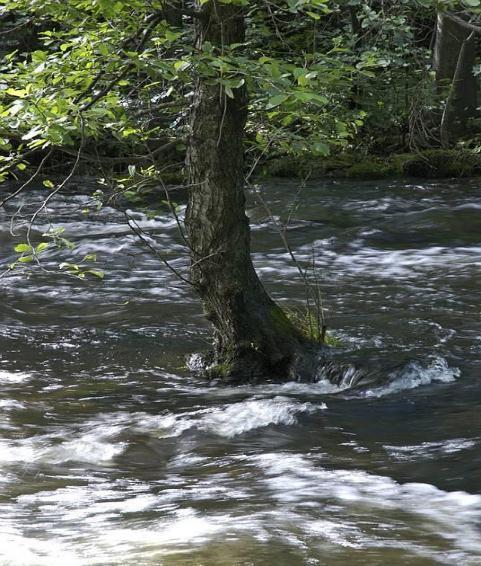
(120, 74)
(322, 74)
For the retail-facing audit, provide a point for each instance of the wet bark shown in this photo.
(454, 58)
(253, 338)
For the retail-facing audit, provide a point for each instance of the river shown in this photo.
(112, 453)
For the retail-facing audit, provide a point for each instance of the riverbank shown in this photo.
(140, 186)
(427, 164)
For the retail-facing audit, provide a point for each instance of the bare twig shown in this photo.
(172, 209)
(16, 28)
(57, 189)
(309, 291)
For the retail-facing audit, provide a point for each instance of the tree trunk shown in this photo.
(173, 12)
(454, 57)
(253, 338)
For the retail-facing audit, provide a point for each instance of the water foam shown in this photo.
(399, 264)
(303, 505)
(228, 420)
(430, 450)
(416, 374)
(26, 551)
(8, 377)
(97, 442)
(91, 447)
(249, 415)
(298, 481)
(412, 375)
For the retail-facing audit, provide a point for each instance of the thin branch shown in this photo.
(59, 188)
(283, 236)
(192, 265)
(172, 208)
(137, 230)
(28, 181)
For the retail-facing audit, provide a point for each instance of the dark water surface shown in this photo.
(111, 453)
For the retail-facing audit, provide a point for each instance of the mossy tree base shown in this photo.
(249, 366)
(313, 363)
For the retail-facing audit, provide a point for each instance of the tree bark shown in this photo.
(454, 57)
(253, 338)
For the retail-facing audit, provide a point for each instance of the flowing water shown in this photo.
(111, 453)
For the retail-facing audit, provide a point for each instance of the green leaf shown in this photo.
(19, 93)
(69, 266)
(21, 248)
(96, 273)
(181, 65)
(276, 100)
(32, 133)
(41, 247)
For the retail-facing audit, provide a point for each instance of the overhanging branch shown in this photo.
(467, 25)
